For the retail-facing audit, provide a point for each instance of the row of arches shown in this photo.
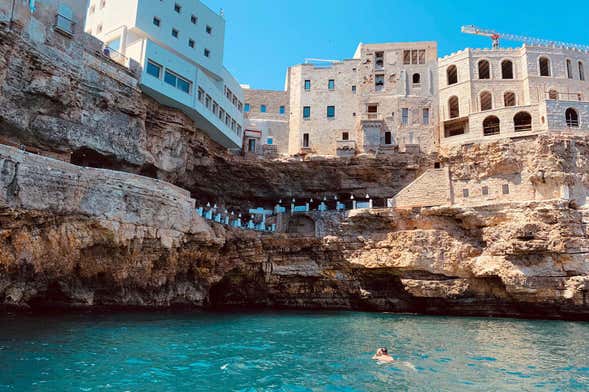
(544, 69)
(485, 101)
(522, 121)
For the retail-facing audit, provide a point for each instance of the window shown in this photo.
(208, 101)
(191, 43)
(569, 69)
(425, 116)
(215, 108)
(307, 85)
(221, 114)
(522, 122)
(572, 118)
(154, 69)
(305, 140)
(484, 70)
(491, 126)
(330, 111)
(485, 190)
(581, 71)
(92, 9)
(552, 94)
(201, 95)
(177, 7)
(193, 19)
(331, 84)
(207, 53)
(281, 110)
(177, 81)
(156, 21)
(175, 33)
(453, 107)
(306, 111)
(404, 116)
(388, 137)
(345, 136)
(509, 99)
(353, 89)
(269, 140)
(372, 109)
(452, 75)
(465, 192)
(99, 28)
(263, 108)
(102, 4)
(414, 56)
(246, 107)
(544, 64)
(209, 29)
(416, 78)
(379, 82)
(486, 101)
(379, 60)
(406, 57)
(251, 145)
(505, 189)
(506, 69)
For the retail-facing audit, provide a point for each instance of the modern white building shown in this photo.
(179, 45)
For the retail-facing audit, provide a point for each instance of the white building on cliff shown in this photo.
(179, 45)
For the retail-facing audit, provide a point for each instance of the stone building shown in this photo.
(266, 127)
(381, 99)
(179, 46)
(496, 93)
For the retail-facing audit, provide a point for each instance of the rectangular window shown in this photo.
(404, 116)
(246, 107)
(251, 145)
(209, 29)
(177, 81)
(269, 141)
(465, 192)
(307, 85)
(406, 57)
(99, 28)
(207, 53)
(345, 136)
(154, 69)
(221, 114)
(330, 111)
(208, 101)
(201, 94)
(92, 9)
(193, 19)
(263, 108)
(305, 140)
(505, 189)
(353, 89)
(306, 111)
(281, 110)
(177, 8)
(485, 190)
(379, 82)
(175, 33)
(425, 116)
(215, 108)
(156, 21)
(191, 43)
(331, 84)
(227, 119)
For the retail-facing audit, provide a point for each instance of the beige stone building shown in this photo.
(266, 122)
(381, 99)
(490, 94)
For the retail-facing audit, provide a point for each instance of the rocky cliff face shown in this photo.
(77, 236)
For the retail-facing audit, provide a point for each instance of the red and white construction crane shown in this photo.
(496, 36)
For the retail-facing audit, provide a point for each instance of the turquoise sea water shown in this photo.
(291, 351)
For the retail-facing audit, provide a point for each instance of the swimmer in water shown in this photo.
(382, 355)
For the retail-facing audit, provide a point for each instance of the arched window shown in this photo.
(569, 69)
(453, 107)
(506, 69)
(544, 64)
(452, 74)
(572, 118)
(416, 78)
(522, 121)
(552, 94)
(491, 126)
(484, 70)
(581, 71)
(509, 99)
(486, 101)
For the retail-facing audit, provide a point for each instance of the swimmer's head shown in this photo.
(384, 350)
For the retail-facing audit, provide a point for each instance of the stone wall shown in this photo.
(432, 188)
(272, 123)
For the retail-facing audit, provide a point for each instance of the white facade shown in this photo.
(179, 45)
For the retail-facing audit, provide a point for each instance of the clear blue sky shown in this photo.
(264, 37)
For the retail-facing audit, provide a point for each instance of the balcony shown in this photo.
(372, 117)
(114, 55)
(64, 25)
(345, 148)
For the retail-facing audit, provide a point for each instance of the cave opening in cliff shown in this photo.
(90, 158)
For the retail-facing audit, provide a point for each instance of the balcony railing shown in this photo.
(64, 25)
(346, 144)
(372, 116)
(114, 55)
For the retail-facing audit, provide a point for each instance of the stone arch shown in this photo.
(301, 224)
